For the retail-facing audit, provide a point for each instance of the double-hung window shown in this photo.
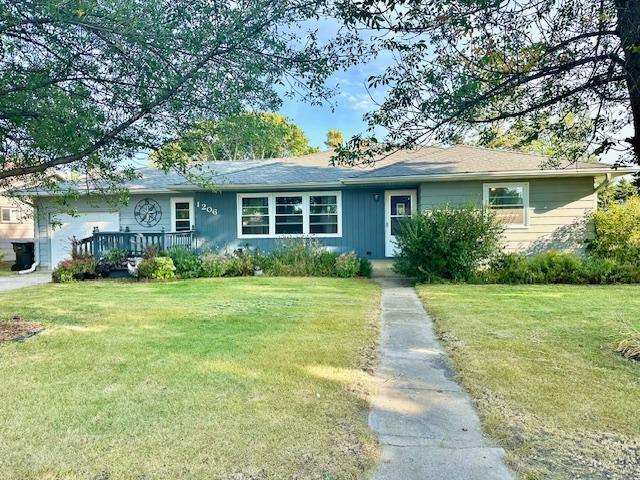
(289, 215)
(323, 214)
(509, 202)
(254, 215)
(272, 215)
(9, 215)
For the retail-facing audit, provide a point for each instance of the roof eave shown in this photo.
(261, 186)
(444, 177)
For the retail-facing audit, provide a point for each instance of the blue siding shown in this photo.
(127, 216)
(362, 223)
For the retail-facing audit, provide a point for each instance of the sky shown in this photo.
(352, 100)
(345, 113)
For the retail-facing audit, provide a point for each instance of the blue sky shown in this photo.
(350, 103)
(352, 99)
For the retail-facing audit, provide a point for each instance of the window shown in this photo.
(9, 215)
(255, 216)
(273, 215)
(289, 216)
(323, 214)
(509, 201)
(182, 214)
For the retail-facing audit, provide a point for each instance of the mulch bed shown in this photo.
(16, 329)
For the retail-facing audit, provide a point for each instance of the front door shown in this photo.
(398, 204)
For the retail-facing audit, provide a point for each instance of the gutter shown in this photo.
(451, 177)
(260, 186)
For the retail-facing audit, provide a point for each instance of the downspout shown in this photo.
(36, 240)
(604, 183)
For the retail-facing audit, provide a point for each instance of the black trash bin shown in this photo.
(25, 255)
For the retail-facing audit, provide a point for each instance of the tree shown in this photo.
(566, 139)
(463, 64)
(84, 85)
(334, 139)
(242, 136)
(617, 193)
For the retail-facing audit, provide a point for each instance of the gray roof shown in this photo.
(423, 164)
(465, 159)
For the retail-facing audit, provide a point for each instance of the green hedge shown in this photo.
(556, 267)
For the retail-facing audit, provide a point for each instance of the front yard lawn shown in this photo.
(242, 378)
(538, 362)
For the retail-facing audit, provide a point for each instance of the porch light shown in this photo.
(376, 197)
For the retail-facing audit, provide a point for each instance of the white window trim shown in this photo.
(192, 218)
(16, 217)
(305, 214)
(525, 189)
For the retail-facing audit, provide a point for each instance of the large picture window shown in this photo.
(272, 215)
(509, 202)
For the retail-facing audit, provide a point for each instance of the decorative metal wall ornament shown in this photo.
(147, 212)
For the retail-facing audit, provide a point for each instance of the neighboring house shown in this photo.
(258, 203)
(16, 223)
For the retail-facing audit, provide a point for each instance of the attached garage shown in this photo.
(79, 227)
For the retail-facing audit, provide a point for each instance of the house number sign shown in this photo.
(207, 208)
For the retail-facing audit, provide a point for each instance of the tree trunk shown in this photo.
(629, 32)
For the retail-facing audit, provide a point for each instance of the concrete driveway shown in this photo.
(15, 281)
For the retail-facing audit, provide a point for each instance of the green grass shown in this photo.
(241, 378)
(538, 362)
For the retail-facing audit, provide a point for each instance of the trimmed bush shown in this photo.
(157, 268)
(447, 242)
(78, 268)
(186, 261)
(214, 265)
(347, 265)
(618, 232)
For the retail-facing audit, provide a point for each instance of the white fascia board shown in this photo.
(491, 175)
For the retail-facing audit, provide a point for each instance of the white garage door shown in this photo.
(79, 227)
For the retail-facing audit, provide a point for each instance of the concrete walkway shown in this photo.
(425, 422)
(14, 281)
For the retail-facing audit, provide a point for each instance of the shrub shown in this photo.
(214, 265)
(447, 242)
(77, 268)
(365, 269)
(116, 257)
(299, 258)
(2, 255)
(239, 265)
(157, 268)
(555, 267)
(347, 265)
(618, 232)
(324, 263)
(186, 261)
(152, 251)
